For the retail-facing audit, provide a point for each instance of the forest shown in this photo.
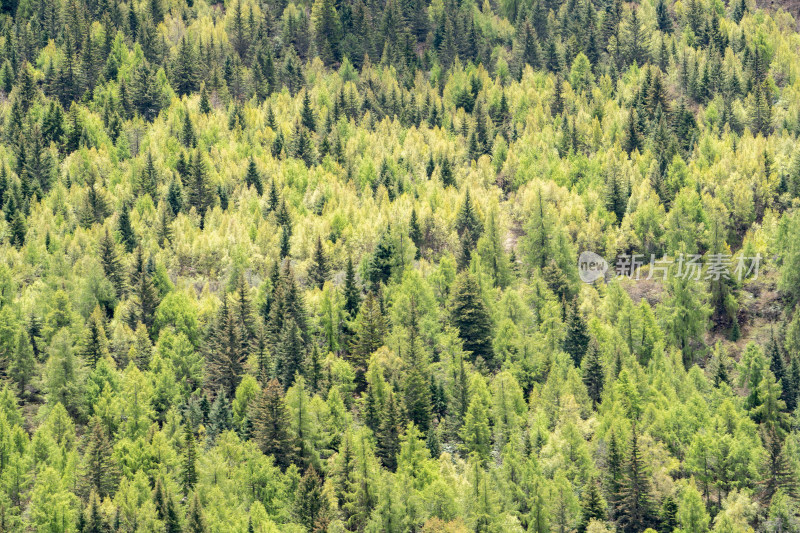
(313, 266)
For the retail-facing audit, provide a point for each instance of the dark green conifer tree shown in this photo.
(319, 271)
(126, 234)
(577, 338)
(471, 318)
(253, 178)
(311, 503)
(145, 295)
(272, 427)
(195, 521)
(189, 463)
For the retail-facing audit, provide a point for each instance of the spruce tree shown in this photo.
(185, 69)
(290, 354)
(614, 474)
(388, 433)
(352, 294)
(319, 271)
(468, 225)
(635, 508)
(195, 521)
(205, 105)
(95, 345)
(22, 366)
(252, 178)
(272, 426)
(220, 417)
(126, 233)
(383, 260)
(593, 506)
(577, 339)
(148, 179)
(311, 503)
(370, 329)
(776, 362)
(285, 244)
(415, 234)
(92, 521)
(145, 295)
(792, 387)
(225, 356)
(199, 195)
(189, 463)
(307, 114)
(446, 173)
(188, 136)
(471, 318)
(417, 383)
(175, 197)
(100, 470)
(166, 508)
(593, 373)
(145, 91)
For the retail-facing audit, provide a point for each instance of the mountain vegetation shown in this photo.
(313, 266)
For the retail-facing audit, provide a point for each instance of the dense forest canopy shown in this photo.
(271, 266)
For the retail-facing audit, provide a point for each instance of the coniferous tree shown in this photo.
(126, 233)
(370, 329)
(577, 339)
(166, 508)
(285, 247)
(319, 269)
(148, 180)
(446, 173)
(145, 91)
(225, 356)
(792, 386)
(252, 178)
(205, 104)
(290, 354)
(417, 383)
(352, 295)
(22, 366)
(307, 114)
(633, 137)
(593, 372)
(95, 345)
(383, 260)
(593, 506)
(388, 433)
(635, 507)
(188, 136)
(189, 464)
(199, 195)
(468, 225)
(415, 234)
(776, 362)
(185, 70)
(272, 426)
(100, 471)
(145, 295)
(220, 417)
(195, 520)
(471, 318)
(311, 504)
(175, 197)
(92, 520)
